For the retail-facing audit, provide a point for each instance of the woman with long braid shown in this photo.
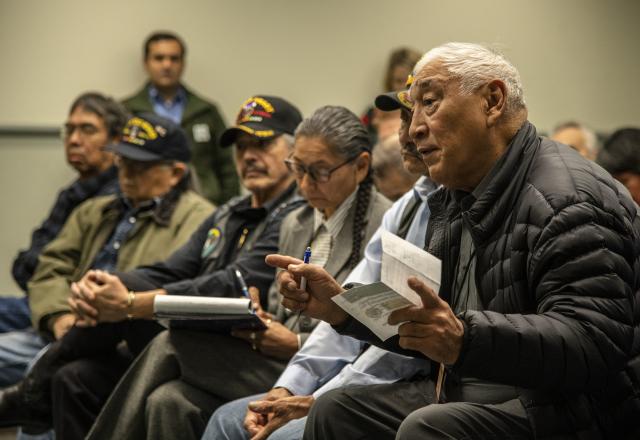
(183, 376)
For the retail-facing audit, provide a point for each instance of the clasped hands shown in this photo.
(432, 329)
(275, 410)
(98, 297)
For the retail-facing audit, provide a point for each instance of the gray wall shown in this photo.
(578, 59)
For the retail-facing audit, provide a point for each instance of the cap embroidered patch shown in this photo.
(254, 109)
(403, 97)
(138, 131)
(409, 81)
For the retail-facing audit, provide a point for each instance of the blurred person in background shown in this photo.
(380, 123)
(166, 95)
(389, 174)
(578, 137)
(620, 155)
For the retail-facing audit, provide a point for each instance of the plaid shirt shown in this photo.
(25, 263)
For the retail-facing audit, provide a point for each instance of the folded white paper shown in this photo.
(372, 304)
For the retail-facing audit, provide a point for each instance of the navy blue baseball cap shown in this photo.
(149, 138)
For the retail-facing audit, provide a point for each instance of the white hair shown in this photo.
(475, 65)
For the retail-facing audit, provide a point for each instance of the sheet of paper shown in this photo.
(372, 304)
(401, 259)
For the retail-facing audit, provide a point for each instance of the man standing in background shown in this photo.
(165, 95)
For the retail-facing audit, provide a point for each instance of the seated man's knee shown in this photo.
(227, 422)
(328, 407)
(66, 377)
(162, 398)
(433, 421)
(159, 343)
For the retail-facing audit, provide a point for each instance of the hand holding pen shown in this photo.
(315, 301)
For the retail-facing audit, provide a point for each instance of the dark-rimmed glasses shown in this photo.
(319, 175)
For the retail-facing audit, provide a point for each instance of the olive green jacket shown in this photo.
(201, 120)
(156, 234)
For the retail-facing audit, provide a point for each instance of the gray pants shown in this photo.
(172, 389)
(405, 410)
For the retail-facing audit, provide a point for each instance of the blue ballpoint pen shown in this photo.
(305, 259)
(243, 285)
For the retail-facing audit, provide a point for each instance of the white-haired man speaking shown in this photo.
(532, 331)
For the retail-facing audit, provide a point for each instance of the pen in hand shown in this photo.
(303, 283)
(245, 289)
(305, 259)
(243, 285)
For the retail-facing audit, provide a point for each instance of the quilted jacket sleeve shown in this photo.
(581, 278)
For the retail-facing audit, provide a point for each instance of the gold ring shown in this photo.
(268, 322)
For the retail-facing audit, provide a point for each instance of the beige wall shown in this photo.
(578, 59)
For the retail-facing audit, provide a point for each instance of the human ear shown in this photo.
(178, 170)
(495, 98)
(363, 163)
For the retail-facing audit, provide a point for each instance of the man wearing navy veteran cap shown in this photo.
(168, 376)
(154, 215)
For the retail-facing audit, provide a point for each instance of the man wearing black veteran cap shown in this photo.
(157, 398)
(154, 215)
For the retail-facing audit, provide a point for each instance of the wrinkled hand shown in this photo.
(433, 329)
(254, 422)
(254, 293)
(99, 297)
(321, 287)
(276, 341)
(82, 293)
(62, 324)
(280, 412)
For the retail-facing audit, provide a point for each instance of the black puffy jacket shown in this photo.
(557, 245)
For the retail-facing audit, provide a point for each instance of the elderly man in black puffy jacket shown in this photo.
(532, 332)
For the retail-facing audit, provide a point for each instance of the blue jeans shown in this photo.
(227, 423)
(49, 435)
(14, 313)
(17, 349)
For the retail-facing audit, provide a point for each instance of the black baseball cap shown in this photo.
(149, 137)
(391, 101)
(264, 117)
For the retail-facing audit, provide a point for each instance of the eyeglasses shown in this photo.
(138, 166)
(84, 130)
(319, 175)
